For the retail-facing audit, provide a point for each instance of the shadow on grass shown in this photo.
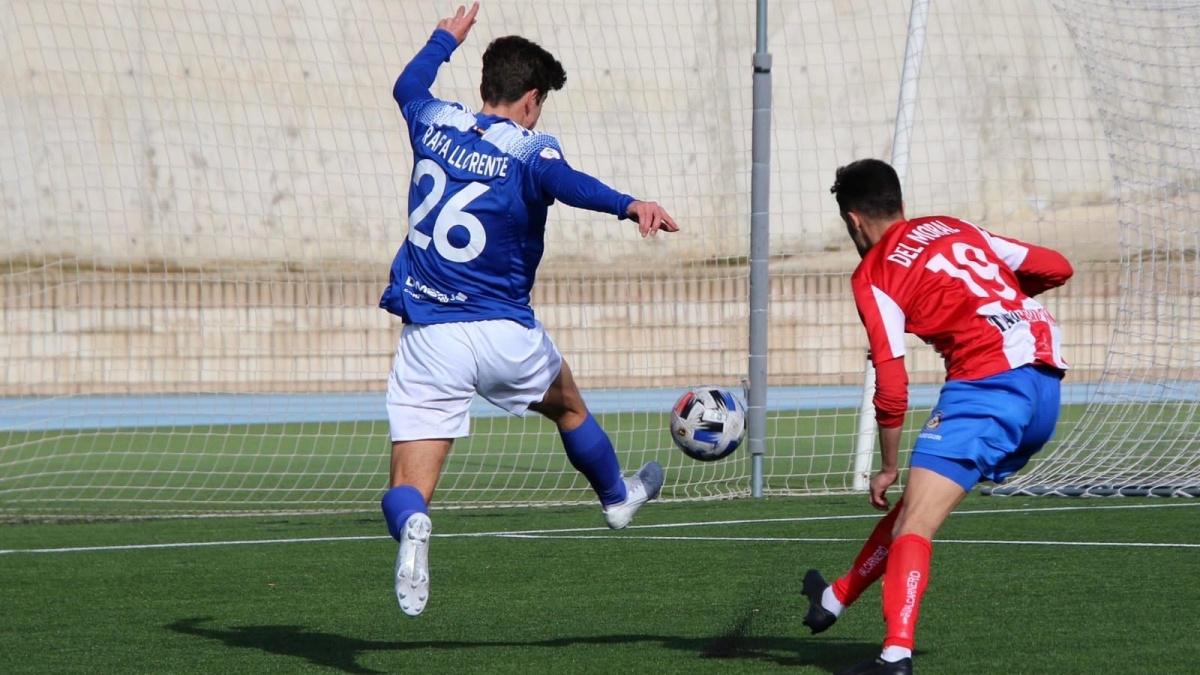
(747, 637)
(342, 652)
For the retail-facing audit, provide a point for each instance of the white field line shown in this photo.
(826, 540)
(582, 533)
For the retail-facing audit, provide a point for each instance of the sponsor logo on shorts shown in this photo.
(934, 421)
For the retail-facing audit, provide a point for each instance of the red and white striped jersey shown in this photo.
(964, 291)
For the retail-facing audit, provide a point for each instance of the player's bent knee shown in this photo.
(563, 404)
(564, 417)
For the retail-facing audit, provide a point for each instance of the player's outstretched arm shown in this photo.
(651, 218)
(418, 76)
(578, 189)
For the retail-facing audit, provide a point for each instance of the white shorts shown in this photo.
(439, 367)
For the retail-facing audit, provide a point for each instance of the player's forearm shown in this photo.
(581, 191)
(889, 448)
(891, 403)
(418, 76)
(891, 392)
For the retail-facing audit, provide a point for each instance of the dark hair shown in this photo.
(869, 187)
(513, 65)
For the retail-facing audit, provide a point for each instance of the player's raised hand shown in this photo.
(651, 218)
(460, 24)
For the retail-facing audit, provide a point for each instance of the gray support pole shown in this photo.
(760, 184)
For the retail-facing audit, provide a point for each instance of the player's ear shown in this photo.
(853, 222)
(533, 98)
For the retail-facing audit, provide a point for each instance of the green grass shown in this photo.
(682, 599)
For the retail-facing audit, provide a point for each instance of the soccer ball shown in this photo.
(708, 423)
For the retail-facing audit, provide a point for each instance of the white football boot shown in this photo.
(641, 488)
(412, 565)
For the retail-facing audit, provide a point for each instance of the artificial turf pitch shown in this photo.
(1043, 585)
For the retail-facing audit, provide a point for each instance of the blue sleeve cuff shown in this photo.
(623, 206)
(444, 39)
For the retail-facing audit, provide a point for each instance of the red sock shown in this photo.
(903, 585)
(870, 563)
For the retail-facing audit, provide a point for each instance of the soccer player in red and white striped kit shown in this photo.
(968, 293)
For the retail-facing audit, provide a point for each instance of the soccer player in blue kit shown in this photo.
(481, 186)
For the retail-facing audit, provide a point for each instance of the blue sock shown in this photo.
(398, 504)
(592, 454)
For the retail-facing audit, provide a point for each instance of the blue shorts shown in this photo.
(988, 429)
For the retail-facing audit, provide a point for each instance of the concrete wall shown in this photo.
(198, 133)
(205, 195)
(132, 336)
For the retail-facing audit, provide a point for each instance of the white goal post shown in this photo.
(906, 109)
(199, 202)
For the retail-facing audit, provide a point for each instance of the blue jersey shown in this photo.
(477, 203)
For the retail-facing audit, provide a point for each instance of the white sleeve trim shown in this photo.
(893, 320)
(1012, 253)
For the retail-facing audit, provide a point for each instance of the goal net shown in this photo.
(1139, 432)
(199, 203)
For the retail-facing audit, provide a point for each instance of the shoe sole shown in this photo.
(412, 565)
